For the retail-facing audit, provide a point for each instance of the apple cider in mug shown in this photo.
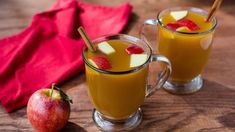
(116, 96)
(116, 73)
(189, 46)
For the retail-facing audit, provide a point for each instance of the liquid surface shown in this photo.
(119, 60)
(199, 19)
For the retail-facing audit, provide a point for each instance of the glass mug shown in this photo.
(187, 52)
(117, 96)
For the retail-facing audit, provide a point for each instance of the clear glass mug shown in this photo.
(187, 52)
(117, 96)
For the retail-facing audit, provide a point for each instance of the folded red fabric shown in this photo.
(49, 50)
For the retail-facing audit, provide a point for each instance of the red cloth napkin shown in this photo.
(49, 50)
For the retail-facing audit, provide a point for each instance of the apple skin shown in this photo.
(46, 113)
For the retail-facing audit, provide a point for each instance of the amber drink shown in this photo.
(117, 80)
(104, 88)
(185, 38)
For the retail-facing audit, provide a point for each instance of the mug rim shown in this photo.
(110, 37)
(187, 33)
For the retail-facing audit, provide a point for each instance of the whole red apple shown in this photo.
(48, 110)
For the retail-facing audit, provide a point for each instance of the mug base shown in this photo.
(105, 124)
(186, 88)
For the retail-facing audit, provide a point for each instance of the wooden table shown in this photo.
(211, 109)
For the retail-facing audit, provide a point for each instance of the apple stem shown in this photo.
(52, 88)
(64, 96)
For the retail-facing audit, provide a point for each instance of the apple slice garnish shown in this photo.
(173, 26)
(184, 23)
(189, 24)
(183, 29)
(177, 15)
(100, 62)
(138, 59)
(134, 49)
(106, 48)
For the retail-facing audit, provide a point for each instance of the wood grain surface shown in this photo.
(210, 110)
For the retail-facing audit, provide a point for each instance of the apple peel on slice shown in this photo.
(177, 15)
(134, 49)
(100, 62)
(189, 24)
(138, 59)
(106, 48)
(173, 26)
(184, 23)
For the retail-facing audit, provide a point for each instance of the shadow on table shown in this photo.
(214, 96)
(72, 127)
(167, 112)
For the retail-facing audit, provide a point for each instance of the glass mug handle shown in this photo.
(163, 76)
(151, 22)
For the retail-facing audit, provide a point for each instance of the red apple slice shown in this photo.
(134, 49)
(183, 23)
(173, 26)
(189, 24)
(100, 62)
